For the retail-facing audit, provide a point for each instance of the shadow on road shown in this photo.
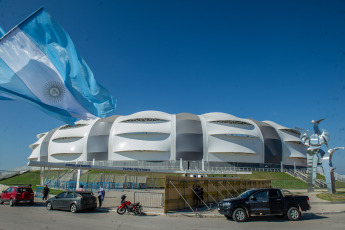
(307, 216)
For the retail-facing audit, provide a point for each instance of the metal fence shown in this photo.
(149, 199)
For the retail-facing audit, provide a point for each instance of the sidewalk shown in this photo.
(318, 206)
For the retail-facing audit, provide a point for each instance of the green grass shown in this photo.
(338, 184)
(278, 179)
(32, 177)
(337, 197)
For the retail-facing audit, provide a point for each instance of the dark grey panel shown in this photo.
(272, 142)
(189, 126)
(189, 137)
(98, 138)
(102, 126)
(98, 144)
(45, 144)
(101, 156)
(186, 150)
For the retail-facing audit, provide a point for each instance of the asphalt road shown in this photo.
(37, 217)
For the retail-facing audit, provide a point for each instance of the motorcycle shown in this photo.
(127, 206)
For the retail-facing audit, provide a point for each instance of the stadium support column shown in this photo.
(78, 178)
(42, 175)
(181, 164)
(294, 167)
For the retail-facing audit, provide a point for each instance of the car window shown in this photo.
(261, 196)
(70, 195)
(24, 190)
(274, 193)
(61, 195)
(86, 195)
(10, 190)
(246, 193)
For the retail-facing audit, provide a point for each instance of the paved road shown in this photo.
(37, 217)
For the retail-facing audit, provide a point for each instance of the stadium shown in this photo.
(154, 138)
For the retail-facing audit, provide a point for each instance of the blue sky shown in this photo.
(268, 60)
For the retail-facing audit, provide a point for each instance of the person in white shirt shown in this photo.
(100, 195)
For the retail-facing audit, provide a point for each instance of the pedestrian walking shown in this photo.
(46, 191)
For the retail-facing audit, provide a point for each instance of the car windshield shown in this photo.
(246, 193)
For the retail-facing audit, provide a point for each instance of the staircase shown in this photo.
(304, 177)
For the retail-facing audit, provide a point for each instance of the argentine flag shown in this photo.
(2, 96)
(40, 65)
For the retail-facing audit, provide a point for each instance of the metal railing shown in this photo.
(149, 199)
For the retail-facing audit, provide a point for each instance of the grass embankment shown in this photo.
(280, 180)
(337, 197)
(32, 177)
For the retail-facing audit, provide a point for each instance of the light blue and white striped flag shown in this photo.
(40, 65)
(3, 96)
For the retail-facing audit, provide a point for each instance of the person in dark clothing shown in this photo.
(196, 194)
(100, 195)
(201, 195)
(46, 190)
(123, 199)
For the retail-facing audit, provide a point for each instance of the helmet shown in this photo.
(123, 197)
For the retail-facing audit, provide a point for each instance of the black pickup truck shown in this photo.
(269, 201)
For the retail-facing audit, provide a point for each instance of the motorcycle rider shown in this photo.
(123, 199)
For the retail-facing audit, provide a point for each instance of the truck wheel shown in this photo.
(240, 215)
(294, 214)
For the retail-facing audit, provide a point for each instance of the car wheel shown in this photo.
(12, 203)
(1, 201)
(74, 208)
(294, 214)
(121, 211)
(49, 206)
(239, 215)
(31, 203)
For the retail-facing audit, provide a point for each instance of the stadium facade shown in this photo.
(216, 139)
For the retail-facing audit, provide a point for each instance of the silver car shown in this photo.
(72, 200)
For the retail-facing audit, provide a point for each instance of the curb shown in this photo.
(184, 214)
